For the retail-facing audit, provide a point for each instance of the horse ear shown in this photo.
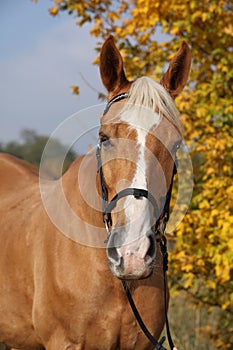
(111, 66)
(176, 76)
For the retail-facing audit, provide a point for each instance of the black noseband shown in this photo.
(138, 193)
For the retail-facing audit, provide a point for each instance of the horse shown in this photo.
(58, 293)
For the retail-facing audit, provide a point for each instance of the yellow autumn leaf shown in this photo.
(53, 11)
(75, 89)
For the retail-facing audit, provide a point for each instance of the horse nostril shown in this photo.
(114, 242)
(113, 256)
(152, 248)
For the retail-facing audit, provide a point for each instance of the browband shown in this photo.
(115, 99)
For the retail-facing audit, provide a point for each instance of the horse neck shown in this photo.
(79, 184)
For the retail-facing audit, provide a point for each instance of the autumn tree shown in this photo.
(202, 259)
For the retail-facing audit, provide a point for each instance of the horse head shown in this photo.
(139, 135)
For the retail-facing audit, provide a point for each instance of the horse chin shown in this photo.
(139, 274)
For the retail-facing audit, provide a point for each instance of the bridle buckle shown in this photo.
(106, 221)
(163, 225)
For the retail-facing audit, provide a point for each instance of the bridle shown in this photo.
(159, 229)
(138, 193)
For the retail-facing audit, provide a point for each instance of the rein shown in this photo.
(160, 228)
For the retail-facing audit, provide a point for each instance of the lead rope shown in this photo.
(158, 345)
(163, 247)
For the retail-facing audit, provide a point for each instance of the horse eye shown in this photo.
(105, 141)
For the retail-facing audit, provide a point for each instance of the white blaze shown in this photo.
(137, 210)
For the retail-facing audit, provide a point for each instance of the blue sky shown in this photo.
(40, 58)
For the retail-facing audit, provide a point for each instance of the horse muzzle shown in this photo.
(133, 260)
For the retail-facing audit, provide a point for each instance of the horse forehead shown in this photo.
(140, 119)
(152, 130)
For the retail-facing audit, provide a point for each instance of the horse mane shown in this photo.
(146, 92)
